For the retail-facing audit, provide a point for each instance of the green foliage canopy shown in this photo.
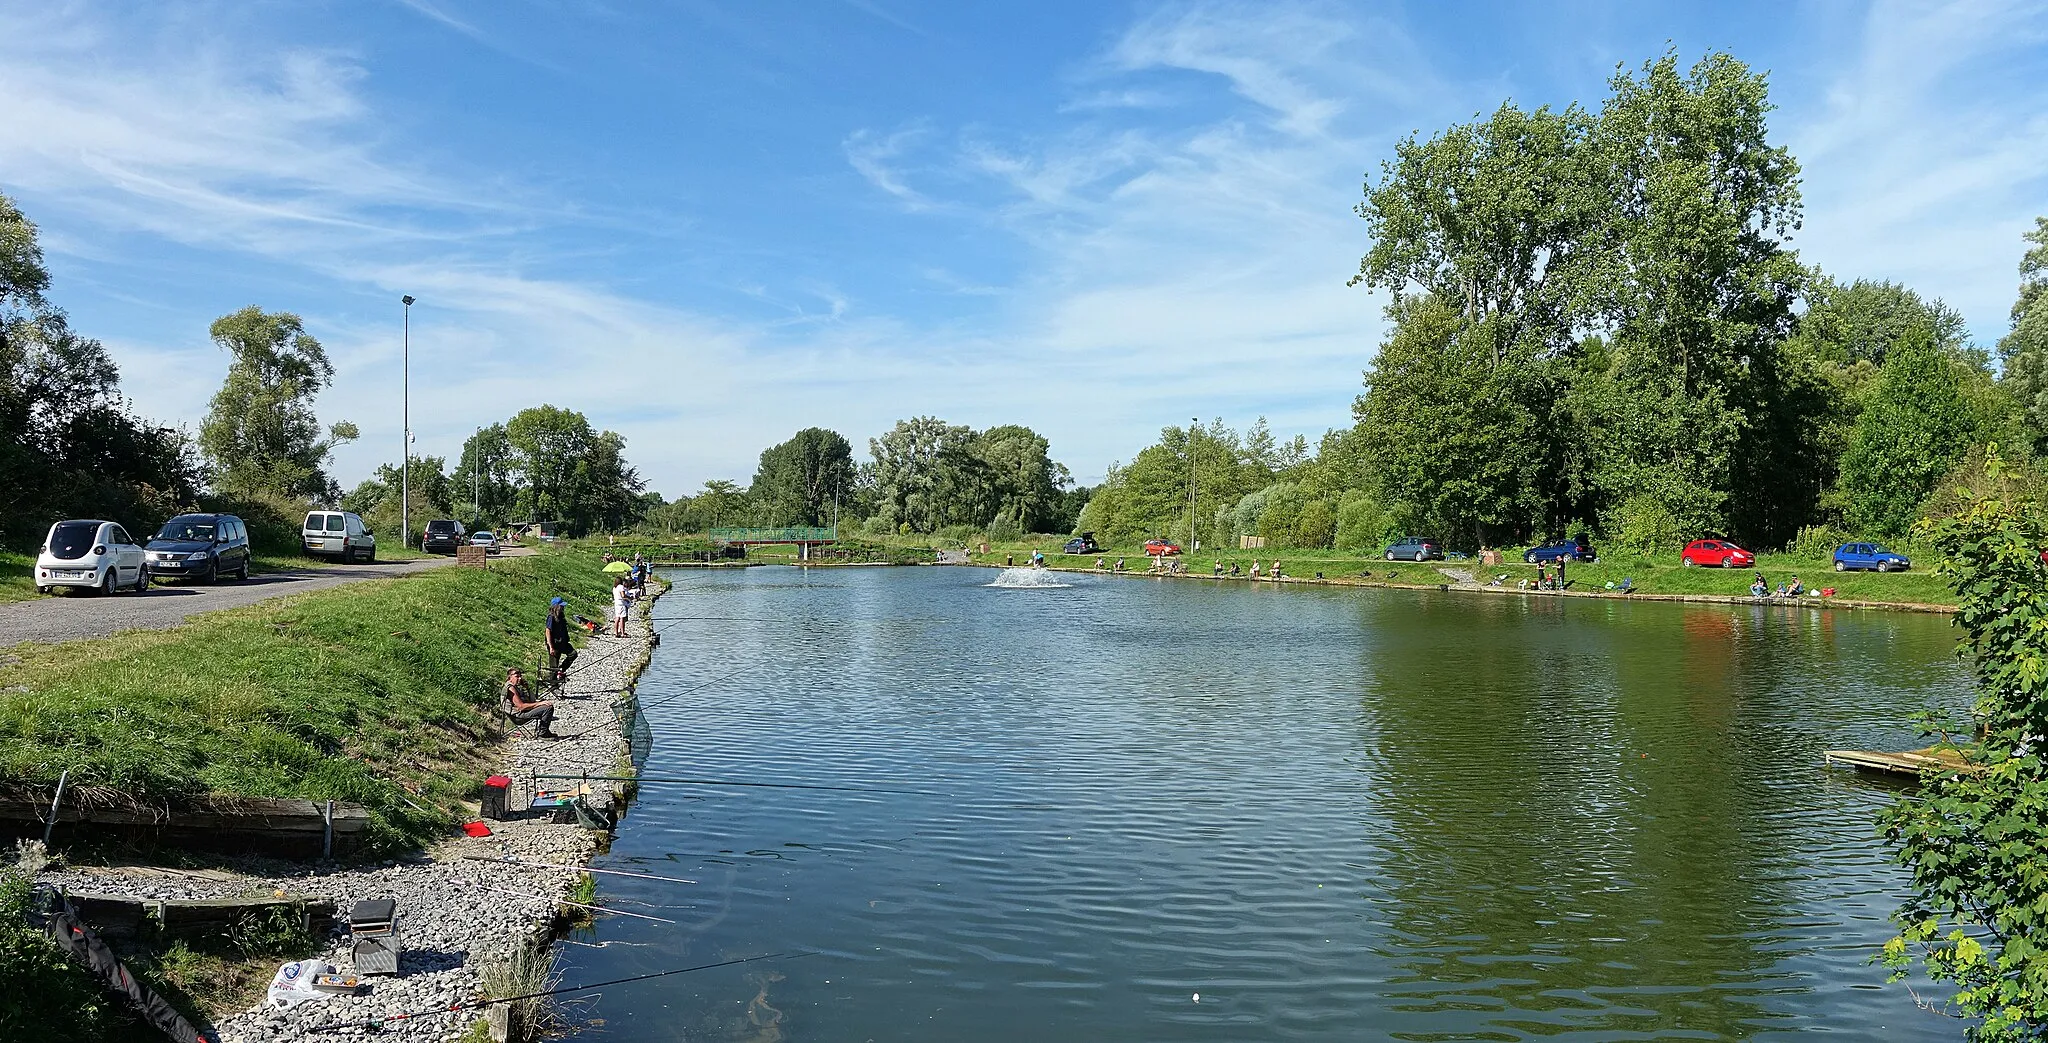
(1978, 905)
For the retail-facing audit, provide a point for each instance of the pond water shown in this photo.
(1134, 809)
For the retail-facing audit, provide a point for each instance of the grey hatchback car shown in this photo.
(200, 547)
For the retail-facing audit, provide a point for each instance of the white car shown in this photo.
(486, 539)
(338, 534)
(88, 552)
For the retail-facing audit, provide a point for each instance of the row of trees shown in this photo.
(1597, 326)
(923, 476)
(544, 464)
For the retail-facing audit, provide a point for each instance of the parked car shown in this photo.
(1415, 548)
(486, 539)
(1082, 544)
(1160, 548)
(93, 553)
(200, 546)
(1869, 556)
(340, 535)
(1556, 550)
(1719, 553)
(443, 535)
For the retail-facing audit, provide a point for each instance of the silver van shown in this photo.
(340, 535)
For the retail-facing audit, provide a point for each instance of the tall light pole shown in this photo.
(1194, 425)
(405, 421)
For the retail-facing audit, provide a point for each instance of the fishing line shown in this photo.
(727, 782)
(579, 869)
(577, 905)
(378, 1023)
(644, 707)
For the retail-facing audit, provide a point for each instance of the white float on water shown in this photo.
(1028, 579)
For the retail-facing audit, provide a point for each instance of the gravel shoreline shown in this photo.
(451, 922)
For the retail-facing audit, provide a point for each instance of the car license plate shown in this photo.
(170, 564)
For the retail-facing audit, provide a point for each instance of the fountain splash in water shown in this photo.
(1028, 579)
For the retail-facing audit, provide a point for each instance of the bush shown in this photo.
(1644, 526)
(1361, 524)
(44, 989)
(1003, 530)
(1316, 526)
(1817, 541)
(1973, 840)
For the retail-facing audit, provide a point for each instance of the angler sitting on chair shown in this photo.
(520, 705)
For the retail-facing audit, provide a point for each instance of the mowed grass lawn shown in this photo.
(381, 692)
(1660, 574)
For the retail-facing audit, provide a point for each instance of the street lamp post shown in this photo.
(1194, 424)
(405, 421)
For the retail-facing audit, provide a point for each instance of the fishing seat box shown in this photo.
(373, 925)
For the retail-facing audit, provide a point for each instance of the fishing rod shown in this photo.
(378, 1023)
(579, 869)
(669, 621)
(644, 707)
(727, 782)
(576, 905)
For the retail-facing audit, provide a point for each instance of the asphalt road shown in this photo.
(75, 614)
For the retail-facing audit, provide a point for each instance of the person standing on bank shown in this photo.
(556, 642)
(619, 607)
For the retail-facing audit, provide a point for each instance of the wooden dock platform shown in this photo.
(1907, 762)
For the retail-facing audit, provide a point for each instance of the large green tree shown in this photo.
(799, 481)
(1025, 480)
(926, 476)
(1452, 429)
(2024, 350)
(570, 472)
(1915, 425)
(261, 435)
(484, 481)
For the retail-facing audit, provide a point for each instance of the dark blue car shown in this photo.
(1575, 549)
(1869, 556)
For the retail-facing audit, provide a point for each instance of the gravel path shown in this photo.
(75, 615)
(450, 926)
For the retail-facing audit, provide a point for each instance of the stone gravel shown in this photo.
(449, 925)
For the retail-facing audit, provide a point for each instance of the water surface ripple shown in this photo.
(1332, 814)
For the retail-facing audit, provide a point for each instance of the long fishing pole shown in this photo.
(378, 1023)
(579, 869)
(643, 707)
(666, 622)
(576, 905)
(728, 782)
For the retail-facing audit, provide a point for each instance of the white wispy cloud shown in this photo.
(1927, 156)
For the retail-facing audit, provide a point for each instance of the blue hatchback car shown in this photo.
(1575, 549)
(1869, 556)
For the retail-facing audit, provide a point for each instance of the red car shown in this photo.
(1715, 552)
(1158, 548)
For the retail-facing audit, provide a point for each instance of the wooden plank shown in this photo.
(1905, 762)
(122, 917)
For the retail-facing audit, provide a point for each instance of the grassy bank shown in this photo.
(382, 693)
(1649, 575)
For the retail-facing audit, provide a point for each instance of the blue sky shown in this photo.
(707, 225)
